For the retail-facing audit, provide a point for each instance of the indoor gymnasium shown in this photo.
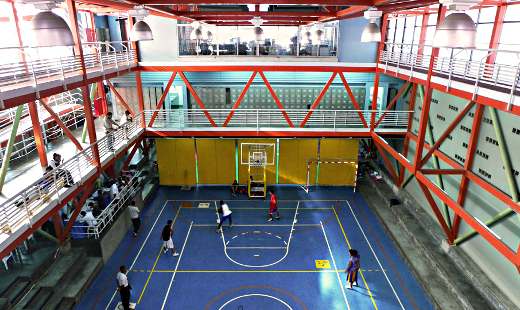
(261, 155)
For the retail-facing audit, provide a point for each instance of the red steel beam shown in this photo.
(468, 218)
(73, 21)
(398, 156)
(468, 165)
(388, 163)
(131, 154)
(163, 97)
(264, 15)
(62, 125)
(423, 123)
(239, 99)
(140, 98)
(270, 2)
(353, 99)
(276, 99)
(318, 99)
(443, 171)
(87, 190)
(38, 135)
(250, 68)
(447, 132)
(384, 26)
(89, 122)
(260, 133)
(435, 209)
(267, 23)
(120, 98)
(289, 19)
(496, 32)
(406, 145)
(392, 103)
(197, 99)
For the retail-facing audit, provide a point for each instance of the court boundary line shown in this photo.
(335, 266)
(255, 294)
(360, 270)
(156, 260)
(257, 225)
(375, 255)
(279, 200)
(265, 265)
(140, 250)
(176, 266)
(256, 247)
(252, 271)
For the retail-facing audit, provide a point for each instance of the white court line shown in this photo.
(335, 267)
(375, 255)
(249, 200)
(139, 253)
(176, 267)
(260, 295)
(257, 225)
(259, 266)
(256, 247)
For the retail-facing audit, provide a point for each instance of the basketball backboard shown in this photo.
(257, 153)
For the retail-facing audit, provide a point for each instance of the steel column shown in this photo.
(353, 99)
(73, 22)
(37, 132)
(140, 98)
(406, 145)
(91, 127)
(318, 99)
(276, 99)
(496, 32)
(163, 97)
(468, 164)
(426, 100)
(435, 209)
(239, 99)
(121, 100)
(9, 148)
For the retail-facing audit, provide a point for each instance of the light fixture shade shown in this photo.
(141, 32)
(319, 35)
(259, 34)
(457, 30)
(51, 30)
(371, 33)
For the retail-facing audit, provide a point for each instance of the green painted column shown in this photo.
(277, 159)
(236, 160)
(10, 144)
(495, 220)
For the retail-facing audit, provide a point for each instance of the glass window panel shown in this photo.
(512, 13)
(408, 32)
(487, 15)
(432, 20)
(473, 14)
(430, 32)
(509, 36)
(399, 30)
(483, 35)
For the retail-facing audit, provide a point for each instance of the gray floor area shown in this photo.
(27, 170)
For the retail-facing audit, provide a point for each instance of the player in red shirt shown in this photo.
(273, 207)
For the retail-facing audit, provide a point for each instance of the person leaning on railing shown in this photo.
(61, 172)
(109, 125)
(125, 121)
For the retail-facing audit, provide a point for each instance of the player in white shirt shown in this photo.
(134, 215)
(226, 215)
(123, 287)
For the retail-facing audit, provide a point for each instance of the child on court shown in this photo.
(166, 236)
(226, 215)
(273, 206)
(352, 270)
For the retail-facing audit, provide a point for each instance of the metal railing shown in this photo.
(98, 56)
(25, 143)
(273, 118)
(496, 76)
(51, 187)
(110, 213)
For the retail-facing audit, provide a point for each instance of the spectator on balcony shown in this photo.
(96, 210)
(47, 180)
(125, 121)
(88, 218)
(109, 125)
(61, 172)
(114, 190)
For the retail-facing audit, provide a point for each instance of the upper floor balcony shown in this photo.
(496, 83)
(41, 72)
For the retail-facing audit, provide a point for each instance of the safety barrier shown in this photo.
(273, 118)
(52, 187)
(496, 76)
(110, 213)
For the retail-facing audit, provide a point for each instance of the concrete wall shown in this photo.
(165, 46)
(350, 49)
(479, 203)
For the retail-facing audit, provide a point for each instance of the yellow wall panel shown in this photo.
(243, 174)
(176, 161)
(339, 149)
(216, 161)
(294, 155)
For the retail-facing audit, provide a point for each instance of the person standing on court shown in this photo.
(354, 263)
(134, 216)
(123, 287)
(166, 236)
(226, 215)
(273, 206)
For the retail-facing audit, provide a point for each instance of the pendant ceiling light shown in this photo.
(371, 32)
(457, 30)
(259, 34)
(141, 31)
(48, 28)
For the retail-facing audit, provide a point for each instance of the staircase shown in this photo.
(59, 288)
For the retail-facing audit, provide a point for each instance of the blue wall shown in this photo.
(350, 49)
(101, 21)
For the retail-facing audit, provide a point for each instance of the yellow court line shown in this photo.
(156, 260)
(360, 271)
